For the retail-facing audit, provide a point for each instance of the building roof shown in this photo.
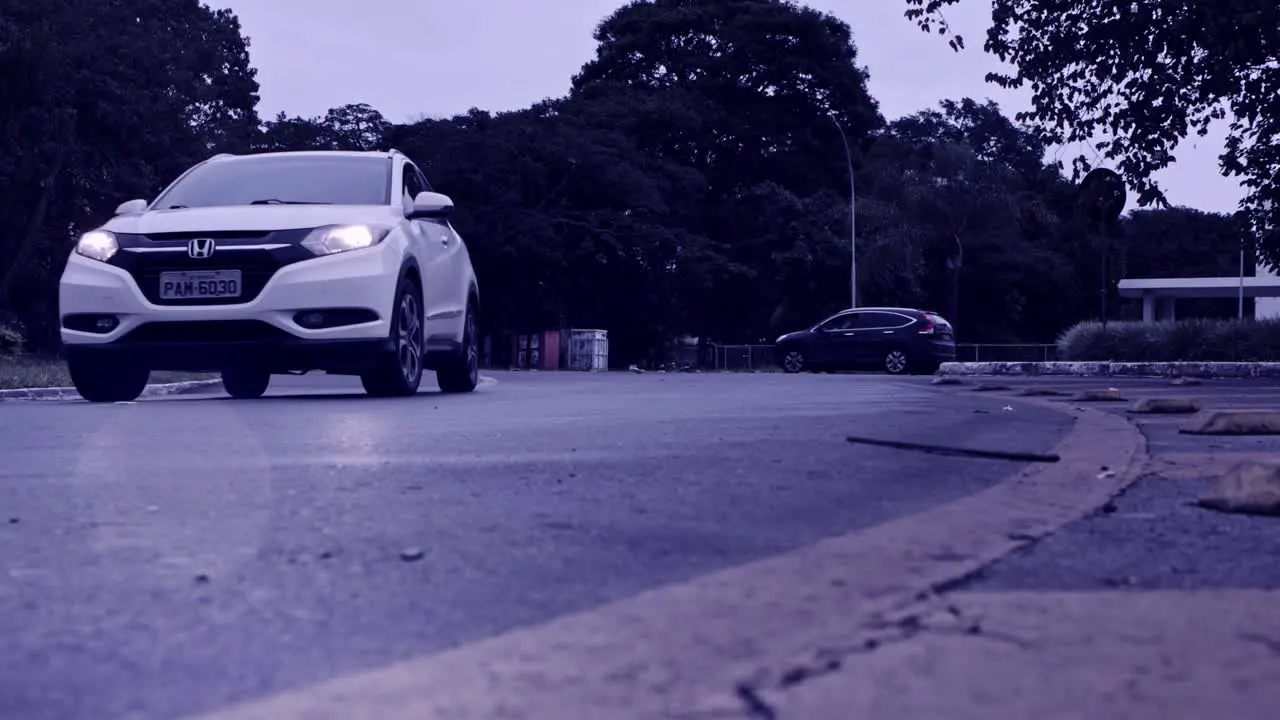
(1211, 287)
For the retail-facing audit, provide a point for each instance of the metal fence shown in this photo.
(759, 358)
(742, 358)
(1006, 353)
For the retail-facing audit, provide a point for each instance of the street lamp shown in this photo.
(853, 235)
(1240, 292)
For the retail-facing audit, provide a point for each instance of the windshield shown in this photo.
(284, 179)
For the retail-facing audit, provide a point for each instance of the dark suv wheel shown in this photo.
(793, 361)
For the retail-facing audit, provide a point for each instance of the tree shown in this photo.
(985, 130)
(970, 188)
(350, 127)
(751, 83)
(1135, 78)
(568, 222)
(105, 102)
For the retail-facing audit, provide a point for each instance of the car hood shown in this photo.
(251, 217)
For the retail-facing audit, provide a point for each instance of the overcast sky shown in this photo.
(410, 58)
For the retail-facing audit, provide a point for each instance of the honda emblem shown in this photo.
(200, 248)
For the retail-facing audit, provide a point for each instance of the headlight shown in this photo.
(341, 238)
(97, 245)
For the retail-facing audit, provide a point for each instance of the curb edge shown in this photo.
(68, 393)
(1203, 370)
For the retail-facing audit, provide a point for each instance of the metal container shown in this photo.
(587, 350)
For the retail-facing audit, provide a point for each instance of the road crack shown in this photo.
(933, 616)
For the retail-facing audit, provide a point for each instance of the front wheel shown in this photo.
(895, 363)
(793, 361)
(245, 384)
(107, 382)
(461, 374)
(398, 374)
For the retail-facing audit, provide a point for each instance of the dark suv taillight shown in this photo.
(929, 328)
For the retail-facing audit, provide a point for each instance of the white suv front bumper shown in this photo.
(356, 280)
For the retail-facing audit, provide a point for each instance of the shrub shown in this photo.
(1194, 340)
(12, 341)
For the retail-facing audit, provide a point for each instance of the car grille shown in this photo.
(256, 268)
(205, 331)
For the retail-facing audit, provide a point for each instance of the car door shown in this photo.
(832, 343)
(878, 333)
(456, 264)
(432, 261)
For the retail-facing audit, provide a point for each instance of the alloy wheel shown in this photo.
(409, 340)
(793, 361)
(895, 362)
(473, 355)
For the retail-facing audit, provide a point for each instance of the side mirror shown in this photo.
(133, 207)
(431, 205)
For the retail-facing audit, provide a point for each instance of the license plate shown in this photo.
(199, 284)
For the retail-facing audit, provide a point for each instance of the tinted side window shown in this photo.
(412, 183)
(842, 322)
(885, 320)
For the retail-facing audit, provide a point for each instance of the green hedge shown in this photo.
(1171, 341)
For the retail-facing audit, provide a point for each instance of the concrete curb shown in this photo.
(700, 646)
(66, 393)
(1208, 370)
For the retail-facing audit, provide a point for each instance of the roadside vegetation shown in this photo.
(29, 371)
(21, 369)
(1193, 340)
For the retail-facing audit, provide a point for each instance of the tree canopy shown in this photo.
(692, 182)
(1133, 79)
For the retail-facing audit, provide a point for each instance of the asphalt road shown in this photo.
(1154, 536)
(177, 555)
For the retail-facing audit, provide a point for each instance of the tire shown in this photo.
(245, 383)
(104, 382)
(399, 373)
(461, 373)
(793, 361)
(896, 362)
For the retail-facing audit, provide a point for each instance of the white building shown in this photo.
(1160, 295)
(1267, 307)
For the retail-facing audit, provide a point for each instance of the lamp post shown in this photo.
(1240, 292)
(853, 234)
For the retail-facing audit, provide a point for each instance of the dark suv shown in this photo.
(896, 340)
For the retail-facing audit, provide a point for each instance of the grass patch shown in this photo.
(35, 372)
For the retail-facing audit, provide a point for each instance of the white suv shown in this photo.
(253, 265)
